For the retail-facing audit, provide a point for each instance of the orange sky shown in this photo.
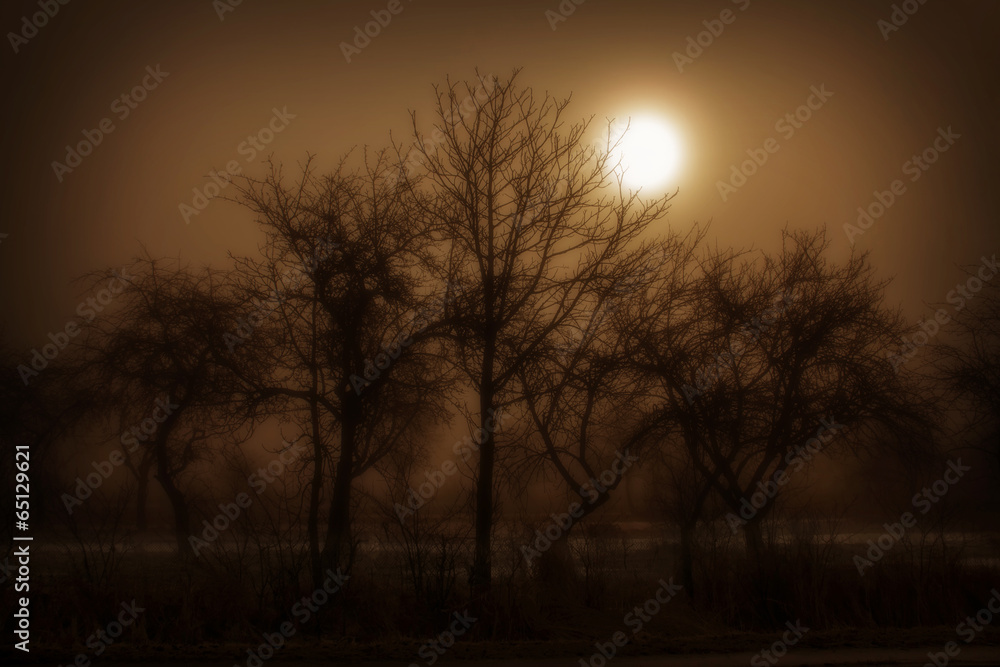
(225, 78)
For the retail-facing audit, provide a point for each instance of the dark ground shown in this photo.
(854, 647)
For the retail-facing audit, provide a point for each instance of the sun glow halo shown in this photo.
(648, 152)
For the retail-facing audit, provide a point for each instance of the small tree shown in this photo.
(153, 358)
(583, 397)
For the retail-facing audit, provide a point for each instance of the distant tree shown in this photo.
(529, 219)
(771, 359)
(37, 414)
(151, 362)
(969, 362)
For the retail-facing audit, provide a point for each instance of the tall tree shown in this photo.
(530, 215)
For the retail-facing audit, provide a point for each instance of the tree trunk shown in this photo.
(760, 573)
(687, 558)
(164, 475)
(141, 475)
(315, 490)
(338, 522)
(754, 540)
(182, 520)
(141, 497)
(481, 577)
(556, 575)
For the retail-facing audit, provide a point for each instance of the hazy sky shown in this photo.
(221, 80)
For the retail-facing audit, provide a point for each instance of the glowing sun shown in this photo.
(648, 153)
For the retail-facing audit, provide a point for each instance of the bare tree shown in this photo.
(529, 218)
(584, 399)
(332, 308)
(969, 363)
(772, 354)
(153, 357)
(37, 411)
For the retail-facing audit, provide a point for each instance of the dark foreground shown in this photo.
(901, 657)
(974, 655)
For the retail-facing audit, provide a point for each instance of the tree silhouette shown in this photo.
(771, 359)
(154, 358)
(583, 397)
(529, 219)
(330, 310)
(970, 365)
